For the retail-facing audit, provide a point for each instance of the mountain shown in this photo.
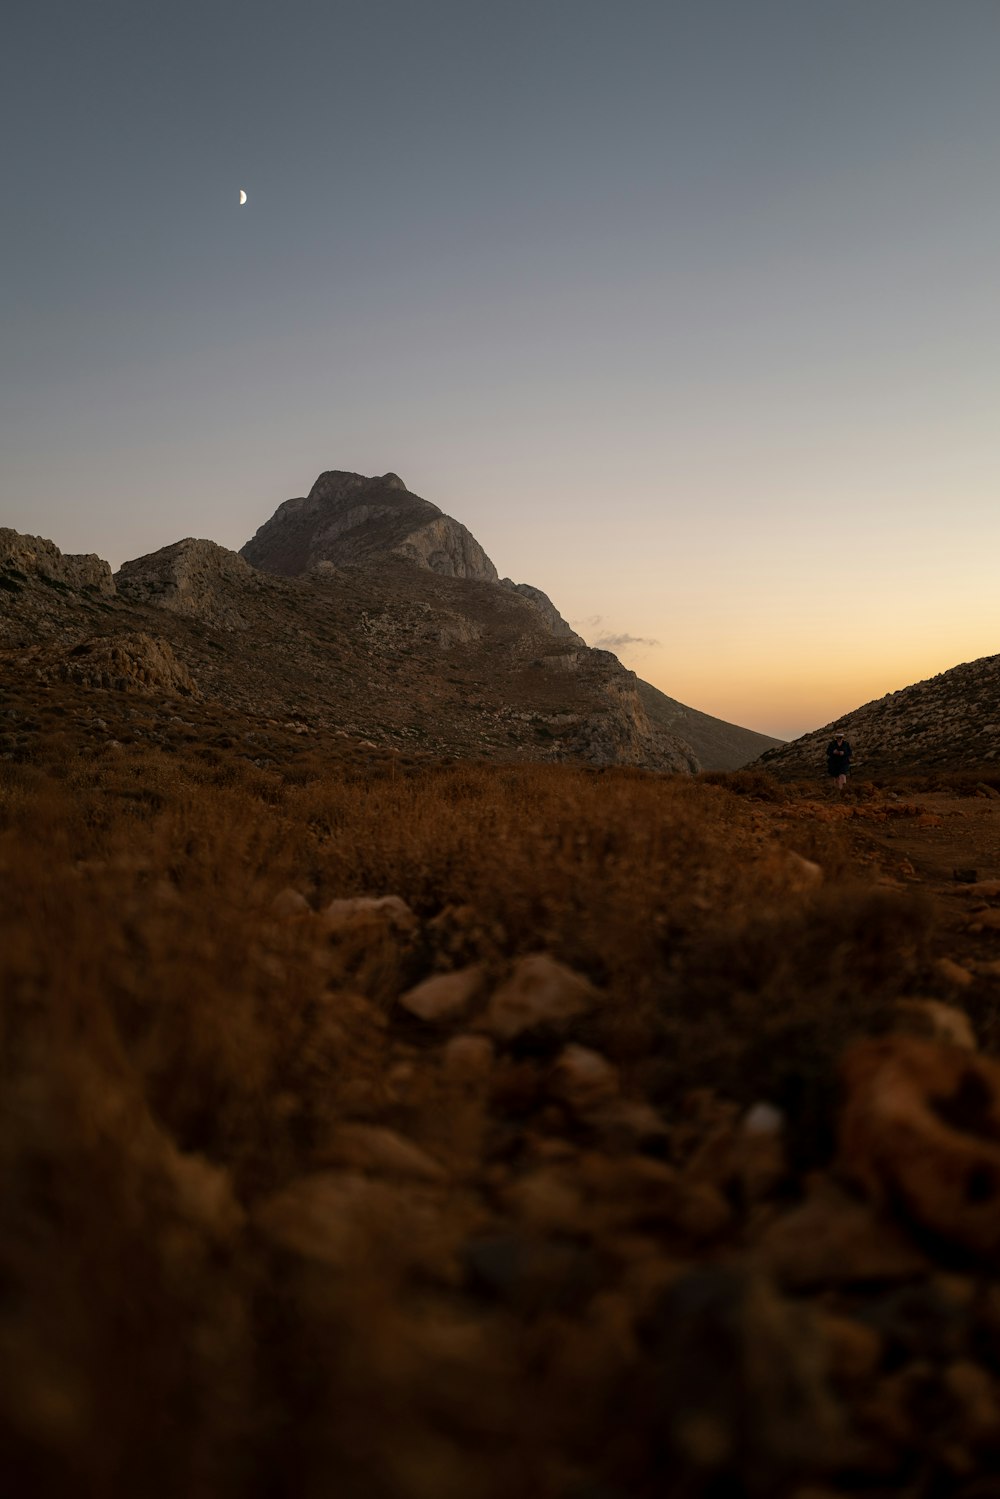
(717, 744)
(347, 519)
(948, 722)
(360, 610)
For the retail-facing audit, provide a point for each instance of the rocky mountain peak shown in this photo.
(350, 520)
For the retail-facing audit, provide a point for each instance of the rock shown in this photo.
(920, 1126)
(539, 992)
(940, 1022)
(583, 1079)
(445, 996)
(953, 973)
(124, 663)
(763, 1119)
(626, 1124)
(290, 902)
(371, 1148)
(43, 559)
(832, 1239)
(469, 1058)
(546, 608)
(803, 874)
(341, 1220)
(195, 578)
(349, 519)
(387, 910)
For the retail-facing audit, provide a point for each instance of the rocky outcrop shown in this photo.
(124, 663)
(348, 519)
(196, 578)
(24, 556)
(621, 733)
(546, 608)
(949, 722)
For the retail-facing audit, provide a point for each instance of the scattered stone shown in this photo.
(341, 1220)
(920, 1126)
(763, 1119)
(445, 996)
(123, 663)
(940, 1022)
(965, 876)
(539, 992)
(953, 973)
(388, 910)
(469, 1058)
(290, 902)
(371, 1148)
(583, 1079)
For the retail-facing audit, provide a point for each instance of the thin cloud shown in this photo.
(617, 642)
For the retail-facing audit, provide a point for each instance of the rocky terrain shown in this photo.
(413, 1087)
(951, 722)
(409, 1130)
(360, 611)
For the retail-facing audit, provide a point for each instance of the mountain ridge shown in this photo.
(361, 609)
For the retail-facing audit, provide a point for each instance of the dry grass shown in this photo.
(175, 1053)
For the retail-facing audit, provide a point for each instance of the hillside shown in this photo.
(359, 611)
(717, 744)
(950, 722)
(348, 519)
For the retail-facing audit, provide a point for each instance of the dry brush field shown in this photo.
(438, 1131)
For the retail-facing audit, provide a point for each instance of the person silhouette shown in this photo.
(838, 760)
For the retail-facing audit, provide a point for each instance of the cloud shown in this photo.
(617, 642)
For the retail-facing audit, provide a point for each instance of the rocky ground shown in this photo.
(418, 1131)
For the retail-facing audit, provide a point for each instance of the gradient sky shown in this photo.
(688, 310)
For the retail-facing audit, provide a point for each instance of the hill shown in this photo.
(950, 722)
(360, 610)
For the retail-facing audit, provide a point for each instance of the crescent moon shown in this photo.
(243, 196)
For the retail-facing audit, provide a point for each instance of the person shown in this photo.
(838, 760)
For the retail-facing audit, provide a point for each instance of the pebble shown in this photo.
(539, 992)
(444, 996)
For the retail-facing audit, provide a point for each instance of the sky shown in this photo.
(689, 310)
